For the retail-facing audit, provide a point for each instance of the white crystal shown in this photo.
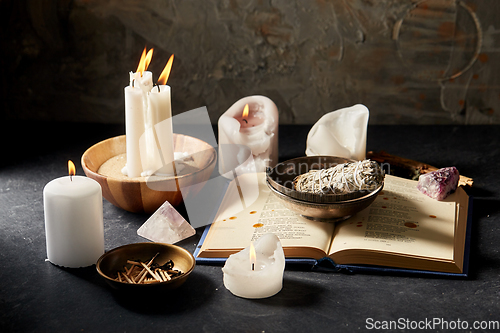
(166, 225)
(340, 133)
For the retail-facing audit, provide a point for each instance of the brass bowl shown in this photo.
(141, 195)
(114, 260)
(280, 179)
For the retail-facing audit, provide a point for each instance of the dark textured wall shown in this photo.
(412, 62)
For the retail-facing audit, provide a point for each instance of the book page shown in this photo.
(235, 231)
(401, 220)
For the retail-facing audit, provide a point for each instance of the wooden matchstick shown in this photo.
(140, 272)
(151, 272)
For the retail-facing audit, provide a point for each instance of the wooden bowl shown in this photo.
(113, 261)
(143, 195)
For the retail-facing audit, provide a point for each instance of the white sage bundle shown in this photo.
(341, 179)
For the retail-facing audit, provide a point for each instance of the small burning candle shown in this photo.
(73, 220)
(252, 122)
(256, 271)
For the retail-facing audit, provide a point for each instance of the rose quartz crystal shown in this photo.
(440, 183)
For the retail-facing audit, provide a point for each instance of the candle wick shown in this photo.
(71, 177)
(253, 266)
(158, 87)
(246, 121)
(133, 86)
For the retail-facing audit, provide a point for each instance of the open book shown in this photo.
(402, 229)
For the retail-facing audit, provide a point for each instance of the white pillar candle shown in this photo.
(260, 277)
(258, 131)
(73, 221)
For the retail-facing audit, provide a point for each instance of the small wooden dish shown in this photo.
(141, 195)
(113, 261)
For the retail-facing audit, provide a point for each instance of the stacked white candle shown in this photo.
(148, 114)
(73, 220)
(252, 121)
(256, 271)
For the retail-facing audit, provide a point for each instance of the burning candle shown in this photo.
(136, 106)
(256, 271)
(148, 114)
(160, 121)
(253, 122)
(73, 220)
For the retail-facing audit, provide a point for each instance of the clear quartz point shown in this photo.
(166, 225)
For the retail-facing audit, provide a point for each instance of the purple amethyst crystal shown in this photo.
(440, 183)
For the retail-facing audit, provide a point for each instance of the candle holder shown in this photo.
(143, 195)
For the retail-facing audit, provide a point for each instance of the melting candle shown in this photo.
(250, 121)
(253, 122)
(256, 271)
(340, 133)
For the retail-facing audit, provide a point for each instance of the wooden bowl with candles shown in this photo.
(103, 162)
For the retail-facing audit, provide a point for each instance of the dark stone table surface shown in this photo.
(40, 297)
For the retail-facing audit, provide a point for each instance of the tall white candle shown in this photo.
(258, 130)
(73, 221)
(134, 129)
(161, 120)
(136, 107)
(260, 277)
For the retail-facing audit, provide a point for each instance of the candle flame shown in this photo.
(245, 111)
(253, 256)
(166, 71)
(145, 60)
(71, 168)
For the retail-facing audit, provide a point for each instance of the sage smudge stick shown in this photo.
(341, 179)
